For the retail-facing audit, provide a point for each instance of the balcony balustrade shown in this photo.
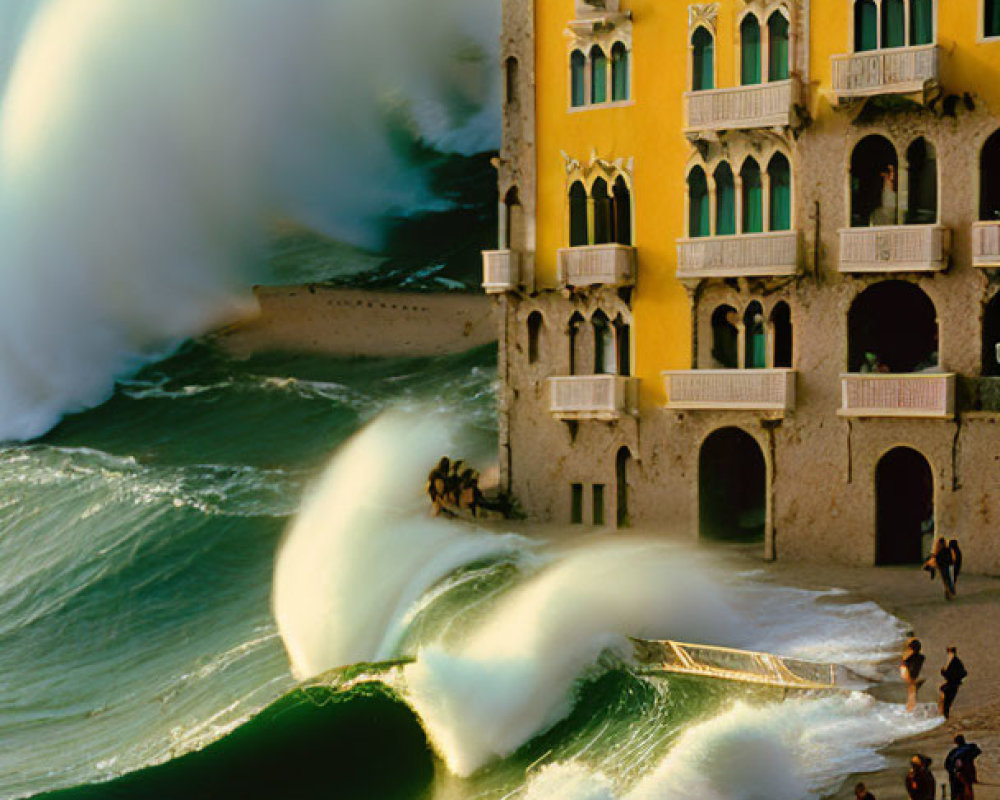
(731, 389)
(765, 105)
(598, 397)
(986, 244)
(897, 70)
(895, 248)
(928, 395)
(597, 265)
(501, 271)
(746, 255)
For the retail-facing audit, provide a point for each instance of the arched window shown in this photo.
(777, 33)
(780, 193)
(725, 201)
(892, 327)
(865, 25)
(510, 71)
(623, 346)
(750, 50)
(989, 178)
(991, 337)
(921, 167)
(578, 78)
(921, 22)
(781, 326)
(874, 168)
(703, 60)
(598, 75)
(513, 221)
(534, 334)
(602, 211)
(755, 353)
(576, 360)
(752, 212)
(725, 348)
(893, 23)
(577, 215)
(991, 18)
(622, 212)
(605, 357)
(699, 223)
(619, 72)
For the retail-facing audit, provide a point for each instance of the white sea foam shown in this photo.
(144, 146)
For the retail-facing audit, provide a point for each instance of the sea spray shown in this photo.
(145, 145)
(362, 551)
(514, 676)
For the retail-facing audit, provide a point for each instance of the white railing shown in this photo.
(603, 397)
(897, 70)
(986, 244)
(895, 248)
(501, 271)
(731, 389)
(749, 254)
(597, 264)
(764, 105)
(880, 395)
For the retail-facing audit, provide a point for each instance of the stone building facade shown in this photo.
(750, 275)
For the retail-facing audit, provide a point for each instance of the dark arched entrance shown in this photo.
(622, 461)
(904, 494)
(892, 327)
(732, 487)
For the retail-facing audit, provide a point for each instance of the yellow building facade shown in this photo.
(748, 261)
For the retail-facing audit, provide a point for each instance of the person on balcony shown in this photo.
(886, 213)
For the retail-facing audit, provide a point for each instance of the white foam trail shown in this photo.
(362, 551)
(144, 146)
(568, 781)
(513, 677)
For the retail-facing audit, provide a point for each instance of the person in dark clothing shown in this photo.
(961, 767)
(943, 561)
(861, 792)
(909, 670)
(956, 562)
(919, 780)
(954, 673)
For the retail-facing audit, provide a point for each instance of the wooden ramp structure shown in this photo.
(742, 666)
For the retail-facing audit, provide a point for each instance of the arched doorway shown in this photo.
(991, 338)
(904, 496)
(732, 487)
(622, 463)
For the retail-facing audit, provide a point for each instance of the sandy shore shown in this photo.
(350, 322)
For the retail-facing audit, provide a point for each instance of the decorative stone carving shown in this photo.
(703, 14)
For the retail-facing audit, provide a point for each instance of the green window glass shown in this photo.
(619, 72)
(893, 23)
(921, 22)
(703, 60)
(777, 31)
(577, 215)
(602, 212)
(780, 179)
(598, 76)
(865, 25)
(578, 66)
(756, 339)
(753, 198)
(991, 22)
(725, 201)
(750, 50)
(622, 213)
(699, 221)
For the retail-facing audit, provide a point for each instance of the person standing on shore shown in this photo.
(861, 793)
(919, 780)
(956, 562)
(943, 560)
(961, 767)
(954, 673)
(909, 670)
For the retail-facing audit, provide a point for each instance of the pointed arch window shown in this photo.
(602, 212)
(598, 75)
(921, 167)
(623, 346)
(893, 23)
(750, 50)
(578, 78)
(755, 355)
(622, 218)
(699, 220)
(777, 33)
(781, 325)
(703, 60)
(780, 193)
(619, 73)
(605, 360)
(575, 343)
(753, 197)
(865, 25)
(725, 200)
(991, 18)
(577, 215)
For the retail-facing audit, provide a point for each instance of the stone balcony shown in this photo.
(926, 395)
(986, 244)
(896, 70)
(597, 265)
(598, 397)
(731, 389)
(764, 105)
(501, 271)
(895, 248)
(746, 255)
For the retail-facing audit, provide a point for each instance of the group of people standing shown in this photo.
(960, 764)
(946, 559)
(953, 672)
